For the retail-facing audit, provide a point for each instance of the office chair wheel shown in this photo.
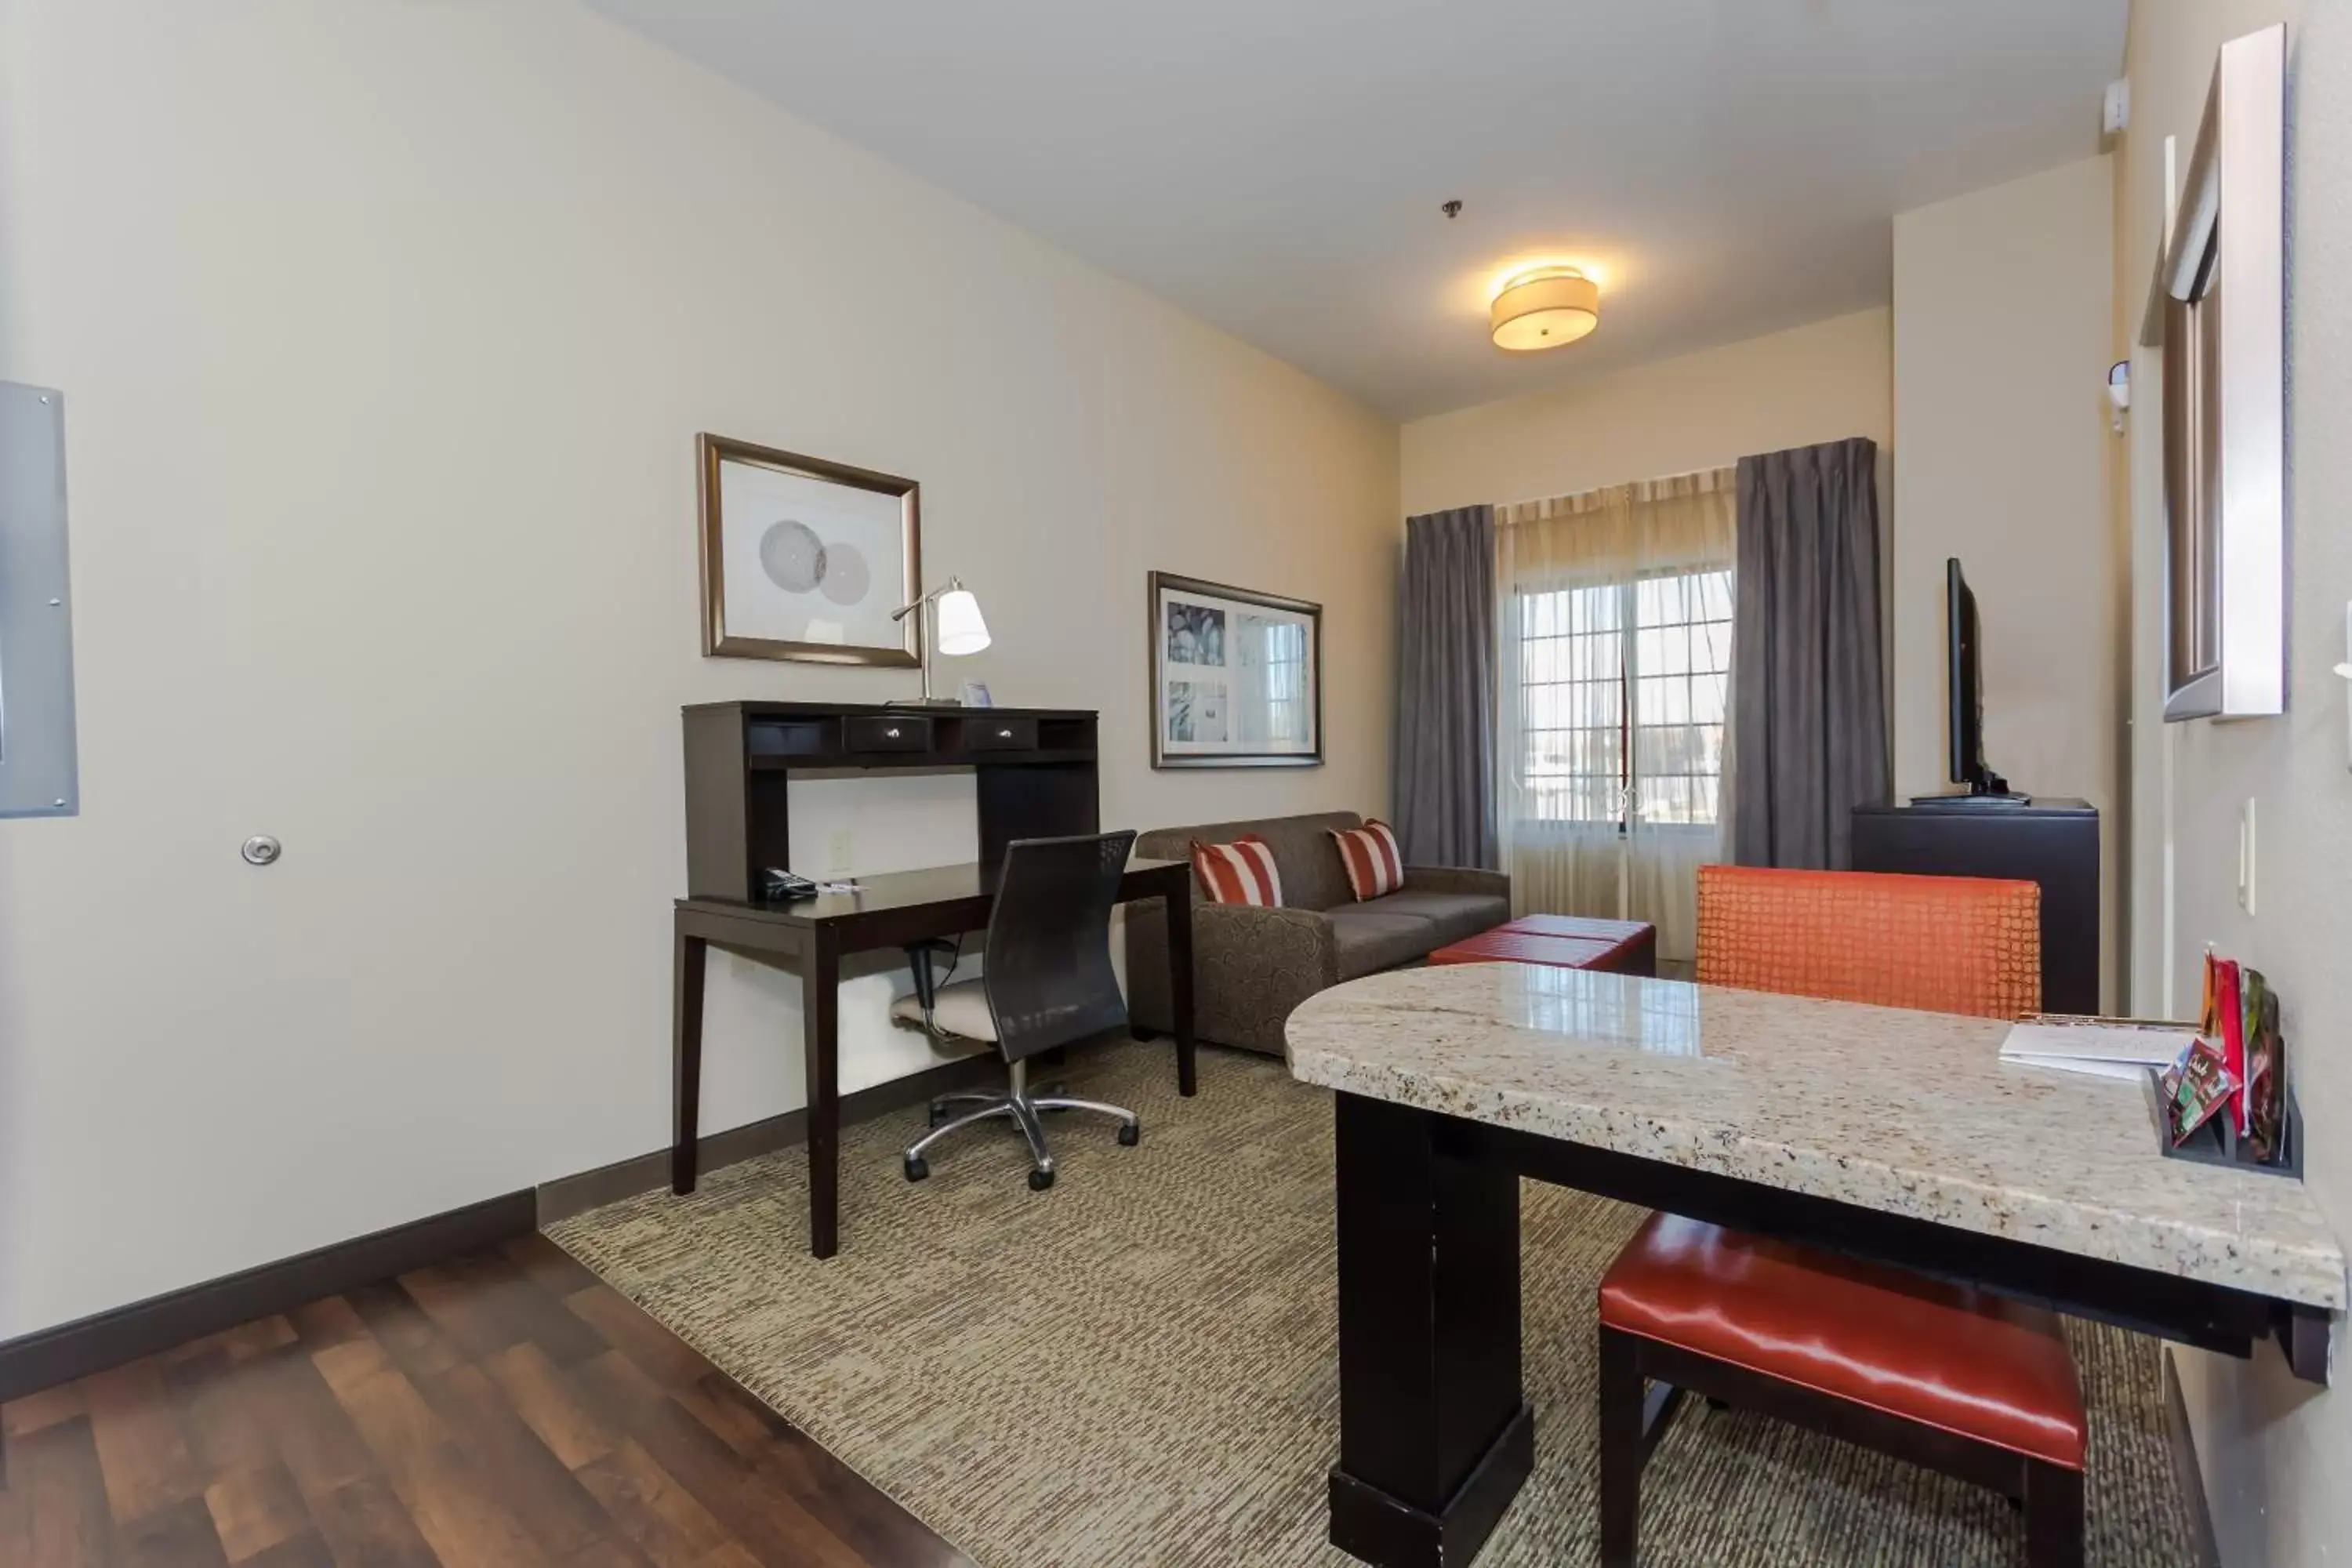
(1131, 1134)
(1040, 1180)
(918, 1168)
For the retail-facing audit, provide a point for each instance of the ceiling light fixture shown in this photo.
(1544, 308)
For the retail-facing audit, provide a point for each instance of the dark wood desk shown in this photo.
(812, 935)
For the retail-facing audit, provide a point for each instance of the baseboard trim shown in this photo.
(2186, 1471)
(51, 1356)
(61, 1354)
(565, 1196)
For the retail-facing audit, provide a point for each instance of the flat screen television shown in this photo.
(1964, 678)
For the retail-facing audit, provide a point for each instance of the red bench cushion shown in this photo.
(1590, 928)
(1519, 947)
(1560, 942)
(1963, 1359)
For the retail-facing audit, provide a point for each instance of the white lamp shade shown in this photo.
(961, 630)
(1544, 309)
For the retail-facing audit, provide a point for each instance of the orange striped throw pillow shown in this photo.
(1241, 872)
(1375, 864)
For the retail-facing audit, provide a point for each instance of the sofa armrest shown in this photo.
(1457, 880)
(1298, 943)
(1250, 967)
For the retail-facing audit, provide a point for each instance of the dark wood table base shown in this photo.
(1379, 1527)
(1435, 1439)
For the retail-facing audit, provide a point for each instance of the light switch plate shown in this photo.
(2345, 669)
(2246, 856)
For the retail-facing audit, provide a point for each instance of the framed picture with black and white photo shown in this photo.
(1236, 677)
(805, 559)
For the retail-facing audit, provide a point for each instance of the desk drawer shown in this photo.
(981, 735)
(866, 732)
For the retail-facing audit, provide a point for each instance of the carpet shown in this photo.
(1141, 1365)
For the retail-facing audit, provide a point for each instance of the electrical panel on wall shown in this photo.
(37, 769)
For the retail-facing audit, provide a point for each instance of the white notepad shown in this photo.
(2106, 1048)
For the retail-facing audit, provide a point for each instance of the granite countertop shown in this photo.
(1913, 1113)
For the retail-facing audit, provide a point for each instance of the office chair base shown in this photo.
(1025, 1111)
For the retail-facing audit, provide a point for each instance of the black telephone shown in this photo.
(776, 884)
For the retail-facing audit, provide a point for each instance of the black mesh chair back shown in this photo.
(1047, 959)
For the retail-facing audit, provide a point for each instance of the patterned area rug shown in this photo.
(1141, 1366)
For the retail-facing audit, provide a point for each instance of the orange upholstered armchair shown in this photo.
(1953, 1378)
(1942, 944)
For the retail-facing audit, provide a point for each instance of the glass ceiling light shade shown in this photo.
(1545, 308)
(962, 631)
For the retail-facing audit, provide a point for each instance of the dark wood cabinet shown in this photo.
(2052, 843)
(1036, 769)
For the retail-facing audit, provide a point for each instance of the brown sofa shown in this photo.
(1250, 966)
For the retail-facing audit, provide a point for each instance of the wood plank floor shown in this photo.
(506, 1409)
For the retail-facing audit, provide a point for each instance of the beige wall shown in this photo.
(386, 331)
(2002, 329)
(2276, 1452)
(1819, 382)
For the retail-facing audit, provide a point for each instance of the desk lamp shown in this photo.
(956, 629)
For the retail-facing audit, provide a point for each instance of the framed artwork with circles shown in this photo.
(806, 559)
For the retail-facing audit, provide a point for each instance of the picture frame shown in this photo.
(806, 559)
(1236, 676)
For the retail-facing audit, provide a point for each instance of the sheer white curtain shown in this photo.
(1613, 666)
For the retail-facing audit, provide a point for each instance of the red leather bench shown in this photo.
(1953, 1378)
(1958, 1380)
(1562, 942)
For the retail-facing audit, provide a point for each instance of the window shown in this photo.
(1622, 687)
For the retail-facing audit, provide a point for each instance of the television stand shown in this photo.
(2051, 842)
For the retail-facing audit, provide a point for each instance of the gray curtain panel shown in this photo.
(1808, 712)
(1445, 692)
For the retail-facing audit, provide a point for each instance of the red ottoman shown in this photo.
(1563, 942)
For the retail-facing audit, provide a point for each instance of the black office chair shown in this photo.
(1046, 981)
